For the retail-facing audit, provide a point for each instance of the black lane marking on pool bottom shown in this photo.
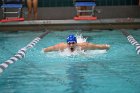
(21, 53)
(132, 40)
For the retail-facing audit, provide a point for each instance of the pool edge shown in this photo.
(39, 25)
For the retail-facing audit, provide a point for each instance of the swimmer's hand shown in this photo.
(107, 46)
(44, 50)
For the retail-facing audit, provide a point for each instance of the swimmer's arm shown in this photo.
(49, 49)
(98, 46)
(56, 47)
(103, 46)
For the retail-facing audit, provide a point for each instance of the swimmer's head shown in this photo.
(71, 39)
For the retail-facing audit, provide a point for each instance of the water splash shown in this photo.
(67, 52)
(80, 38)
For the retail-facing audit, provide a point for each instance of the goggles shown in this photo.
(71, 43)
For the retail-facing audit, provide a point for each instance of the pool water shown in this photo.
(114, 71)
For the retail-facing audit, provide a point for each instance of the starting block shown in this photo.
(11, 19)
(86, 8)
(12, 7)
(85, 18)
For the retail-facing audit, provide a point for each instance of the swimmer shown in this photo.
(72, 45)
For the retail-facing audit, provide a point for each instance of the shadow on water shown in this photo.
(76, 74)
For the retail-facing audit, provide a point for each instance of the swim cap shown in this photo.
(71, 38)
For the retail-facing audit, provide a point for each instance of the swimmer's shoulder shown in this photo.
(61, 45)
(83, 44)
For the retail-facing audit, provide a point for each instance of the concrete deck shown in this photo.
(37, 25)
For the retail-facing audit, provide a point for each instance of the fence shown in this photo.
(68, 3)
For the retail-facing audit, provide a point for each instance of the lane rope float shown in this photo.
(132, 40)
(21, 53)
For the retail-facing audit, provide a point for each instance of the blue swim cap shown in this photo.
(71, 38)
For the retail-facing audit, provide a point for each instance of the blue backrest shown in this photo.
(84, 0)
(85, 4)
(12, 1)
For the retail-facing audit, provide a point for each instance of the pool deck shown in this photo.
(70, 24)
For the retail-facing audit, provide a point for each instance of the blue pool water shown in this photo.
(114, 71)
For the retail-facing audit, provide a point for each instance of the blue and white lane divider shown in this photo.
(132, 40)
(21, 53)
